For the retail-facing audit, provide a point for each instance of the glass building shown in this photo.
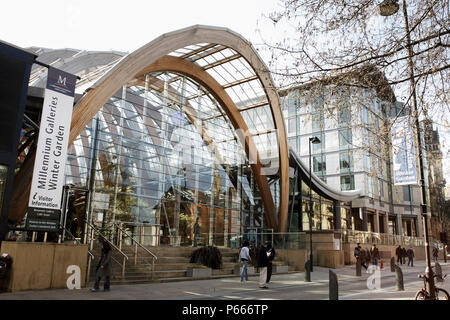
(187, 126)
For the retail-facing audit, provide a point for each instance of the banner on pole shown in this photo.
(44, 206)
(404, 159)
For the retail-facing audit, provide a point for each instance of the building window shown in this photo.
(317, 103)
(291, 107)
(346, 162)
(407, 193)
(292, 125)
(317, 122)
(380, 188)
(370, 186)
(365, 116)
(344, 117)
(368, 163)
(319, 165)
(347, 183)
(345, 137)
(319, 147)
(293, 143)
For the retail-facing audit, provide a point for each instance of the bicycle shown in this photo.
(423, 294)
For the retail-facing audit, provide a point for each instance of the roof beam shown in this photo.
(238, 82)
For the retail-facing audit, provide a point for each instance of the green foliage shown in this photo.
(208, 256)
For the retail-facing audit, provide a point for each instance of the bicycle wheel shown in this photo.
(421, 295)
(441, 294)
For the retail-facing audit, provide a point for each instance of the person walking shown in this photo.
(103, 268)
(404, 255)
(196, 231)
(363, 258)
(263, 262)
(357, 251)
(398, 253)
(270, 255)
(375, 254)
(244, 257)
(435, 254)
(410, 254)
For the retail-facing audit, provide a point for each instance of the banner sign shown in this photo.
(404, 159)
(44, 206)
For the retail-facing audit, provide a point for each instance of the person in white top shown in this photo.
(244, 257)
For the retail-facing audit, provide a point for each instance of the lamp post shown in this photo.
(388, 8)
(314, 140)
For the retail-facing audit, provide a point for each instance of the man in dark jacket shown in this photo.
(270, 255)
(398, 253)
(263, 262)
(410, 254)
(404, 255)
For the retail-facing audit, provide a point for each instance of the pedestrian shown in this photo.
(404, 255)
(244, 257)
(435, 254)
(375, 254)
(270, 255)
(363, 258)
(356, 251)
(196, 231)
(263, 262)
(410, 254)
(103, 268)
(398, 253)
(368, 257)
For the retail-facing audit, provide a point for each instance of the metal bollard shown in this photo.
(333, 287)
(392, 264)
(438, 272)
(399, 278)
(358, 267)
(308, 271)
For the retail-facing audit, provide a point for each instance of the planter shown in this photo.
(280, 269)
(199, 272)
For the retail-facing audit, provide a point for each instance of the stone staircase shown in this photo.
(171, 265)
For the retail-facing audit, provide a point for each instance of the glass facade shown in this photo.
(162, 152)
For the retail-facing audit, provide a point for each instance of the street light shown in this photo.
(314, 140)
(388, 8)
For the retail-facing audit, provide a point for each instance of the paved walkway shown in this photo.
(282, 287)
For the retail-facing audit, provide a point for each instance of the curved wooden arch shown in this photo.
(133, 64)
(193, 71)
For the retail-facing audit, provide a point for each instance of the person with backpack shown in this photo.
(244, 257)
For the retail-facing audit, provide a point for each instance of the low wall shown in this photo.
(38, 265)
(293, 257)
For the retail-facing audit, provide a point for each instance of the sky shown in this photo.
(127, 25)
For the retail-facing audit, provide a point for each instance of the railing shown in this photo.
(365, 237)
(125, 257)
(137, 244)
(91, 256)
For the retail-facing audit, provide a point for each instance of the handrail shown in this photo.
(112, 244)
(135, 241)
(78, 241)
